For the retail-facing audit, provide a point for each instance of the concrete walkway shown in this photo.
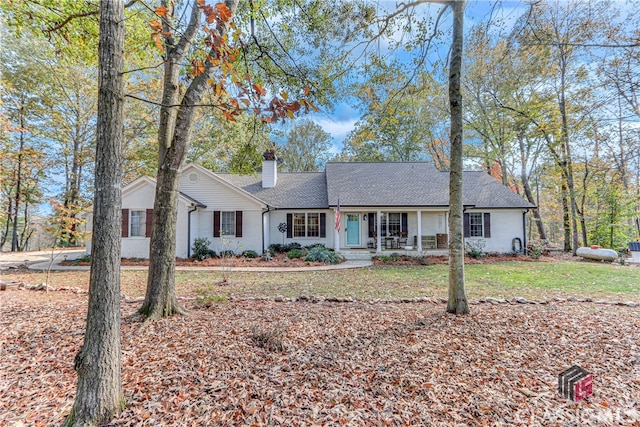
(40, 260)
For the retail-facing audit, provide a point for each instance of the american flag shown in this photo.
(338, 217)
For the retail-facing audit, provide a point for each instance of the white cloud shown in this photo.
(338, 130)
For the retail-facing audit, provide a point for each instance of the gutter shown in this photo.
(194, 208)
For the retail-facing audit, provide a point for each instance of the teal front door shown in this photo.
(353, 229)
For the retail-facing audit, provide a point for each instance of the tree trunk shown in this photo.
(160, 299)
(98, 363)
(566, 152)
(566, 218)
(16, 202)
(524, 176)
(173, 137)
(457, 302)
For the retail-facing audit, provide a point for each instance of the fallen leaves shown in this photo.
(340, 364)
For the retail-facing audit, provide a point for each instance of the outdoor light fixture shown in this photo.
(364, 217)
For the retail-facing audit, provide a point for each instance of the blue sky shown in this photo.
(342, 119)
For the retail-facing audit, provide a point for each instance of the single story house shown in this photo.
(348, 206)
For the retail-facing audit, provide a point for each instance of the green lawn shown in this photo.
(532, 280)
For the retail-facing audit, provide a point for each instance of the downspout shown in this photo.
(195, 208)
(264, 212)
(524, 231)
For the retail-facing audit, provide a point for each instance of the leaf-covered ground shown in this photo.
(352, 363)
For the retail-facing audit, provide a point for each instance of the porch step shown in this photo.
(357, 255)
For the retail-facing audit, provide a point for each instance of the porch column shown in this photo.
(266, 238)
(419, 238)
(336, 232)
(378, 231)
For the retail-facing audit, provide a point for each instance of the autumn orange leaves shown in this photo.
(235, 89)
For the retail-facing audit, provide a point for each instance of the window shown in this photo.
(391, 224)
(477, 224)
(306, 225)
(137, 224)
(228, 223)
(299, 225)
(313, 225)
(394, 224)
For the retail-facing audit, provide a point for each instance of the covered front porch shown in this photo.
(397, 230)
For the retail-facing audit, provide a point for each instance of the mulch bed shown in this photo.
(261, 362)
(278, 260)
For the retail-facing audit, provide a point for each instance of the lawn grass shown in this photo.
(531, 280)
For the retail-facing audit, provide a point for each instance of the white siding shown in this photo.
(218, 196)
(140, 198)
(251, 231)
(181, 230)
(278, 217)
(506, 224)
(215, 194)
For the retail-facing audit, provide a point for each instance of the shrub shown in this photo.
(269, 339)
(383, 258)
(475, 248)
(322, 254)
(200, 248)
(423, 260)
(297, 253)
(275, 248)
(536, 250)
(86, 258)
(315, 245)
(250, 254)
(291, 246)
(227, 253)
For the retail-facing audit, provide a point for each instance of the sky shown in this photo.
(342, 119)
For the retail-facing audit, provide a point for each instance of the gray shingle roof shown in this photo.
(410, 184)
(416, 184)
(483, 191)
(386, 184)
(304, 190)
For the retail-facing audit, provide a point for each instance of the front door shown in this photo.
(353, 229)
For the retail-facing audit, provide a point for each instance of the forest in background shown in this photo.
(551, 100)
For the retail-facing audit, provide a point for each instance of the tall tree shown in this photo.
(401, 119)
(24, 161)
(219, 71)
(306, 149)
(98, 363)
(457, 301)
(176, 122)
(565, 28)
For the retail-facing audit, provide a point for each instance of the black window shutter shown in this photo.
(466, 225)
(323, 225)
(371, 216)
(487, 224)
(216, 223)
(125, 222)
(405, 222)
(148, 223)
(238, 223)
(289, 226)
